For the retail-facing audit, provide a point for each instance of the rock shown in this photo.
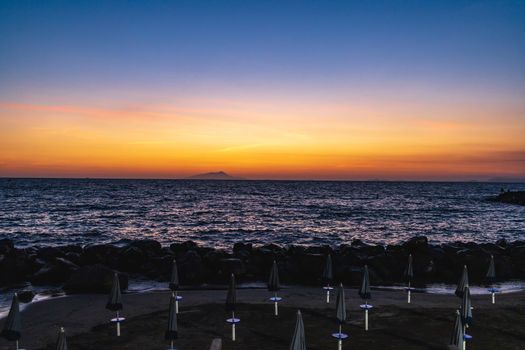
(149, 247)
(99, 254)
(54, 272)
(191, 268)
(50, 253)
(6, 246)
(183, 247)
(26, 296)
(510, 197)
(131, 259)
(93, 279)
(416, 244)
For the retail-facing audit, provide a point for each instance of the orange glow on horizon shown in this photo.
(254, 140)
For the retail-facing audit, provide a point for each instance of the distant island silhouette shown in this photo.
(219, 175)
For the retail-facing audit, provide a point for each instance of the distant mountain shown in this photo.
(220, 175)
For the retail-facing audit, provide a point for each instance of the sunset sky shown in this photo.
(396, 90)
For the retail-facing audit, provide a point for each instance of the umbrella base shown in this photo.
(276, 299)
(328, 288)
(494, 290)
(341, 336)
(233, 320)
(467, 337)
(366, 306)
(118, 319)
(178, 297)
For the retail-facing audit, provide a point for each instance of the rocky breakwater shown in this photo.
(510, 197)
(89, 269)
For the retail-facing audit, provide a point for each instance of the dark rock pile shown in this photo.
(90, 268)
(510, 197)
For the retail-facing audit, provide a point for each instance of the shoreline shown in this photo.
(86, 320)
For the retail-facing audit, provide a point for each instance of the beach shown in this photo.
(426, 323)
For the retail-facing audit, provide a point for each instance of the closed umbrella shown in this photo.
(61, 340)
(491, 278)
(231, 303)
(328, 276)
(365, 293)
(174, 284)
(463, 282)
(115, 302)
(274, 286)
(298, 339)
(457, 338)
(12, 330)
(466, 314)
(340, 314)
(409, 274)
(172, 330)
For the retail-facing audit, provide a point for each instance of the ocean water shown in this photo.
(220, 213)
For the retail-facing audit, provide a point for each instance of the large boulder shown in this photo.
(93, 279)
(99, 254)
(149, 247)
(6, 246)
(54, 272)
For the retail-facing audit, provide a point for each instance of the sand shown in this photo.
(394, 324)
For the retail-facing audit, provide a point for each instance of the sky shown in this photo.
(332, 90)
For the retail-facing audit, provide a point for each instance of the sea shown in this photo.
(47, 212)
(38, 212)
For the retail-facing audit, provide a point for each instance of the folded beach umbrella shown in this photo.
(466, 307)
(61, 340)
(340, 314)
(328, 276)
(172, 330)
(274, 286)
(364, 293)
(457, 338)
(409, 274)
(298, 339)
(463, 282)
(174, 284)
(491, 277)
(12, 330)
(115, 302)
(231, 301)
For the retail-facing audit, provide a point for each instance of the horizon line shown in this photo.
(510, 180)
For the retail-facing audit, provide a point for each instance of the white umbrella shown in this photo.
(172, 331)
(340, 311)
(115, 302)
(274, 286)
(61, 340)
(298, 339)
(328, 277)
(12, 330)
(365, 293)
(491, 277)
(174, 284)
(231, 304)
(409, 273)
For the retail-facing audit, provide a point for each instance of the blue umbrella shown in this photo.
(174, 284)
(491, 278)
(409, 274)
(463, 282)
(172, 330)
(365, 293)
(61, 340)
(340, 313)
(231, 304)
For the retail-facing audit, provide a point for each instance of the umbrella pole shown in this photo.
(233, 326)
(176, 303)
(118, 325)
(17, 345)
(493, 298)
(276, 304)
(172, 345)
(366, 315)
(340, 342)
(409, 292)
(464, 340)
(328, 293)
